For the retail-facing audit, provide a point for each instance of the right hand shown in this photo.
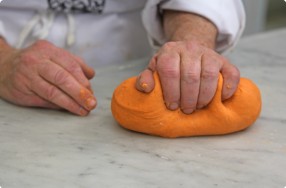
(44, 75)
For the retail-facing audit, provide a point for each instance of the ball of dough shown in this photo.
(147, 113)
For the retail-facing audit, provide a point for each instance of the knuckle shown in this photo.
(236, 73)
(61, 77)
(42, 44)
(60, 55)
(169, 72)
(169, 45)
(167, 58)
(191, 77)
(209, 74)
(167, 66)
(73, 67)
(192, 45)
(51, 93)
(77, 72)
(224, 59)
(233, 74)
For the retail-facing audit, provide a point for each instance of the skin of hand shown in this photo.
(43, 75)
(187, 65)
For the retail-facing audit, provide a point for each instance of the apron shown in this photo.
(102, 32)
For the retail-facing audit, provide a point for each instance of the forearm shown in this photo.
(185, 26)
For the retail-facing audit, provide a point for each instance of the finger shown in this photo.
(68, 62)
(209, 79)
(50, 105)
(88, 71)
(168, 67)
(153, 62)
(30, 99)
(190, 80)
(231, 77)
(37, 101)
(34, 100)
(54, 95)
(61, 79)
(145, 81)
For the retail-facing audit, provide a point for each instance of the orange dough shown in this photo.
(147, 113)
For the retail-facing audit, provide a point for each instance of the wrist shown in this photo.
(4, 46)
(183, 26)
(5, 50)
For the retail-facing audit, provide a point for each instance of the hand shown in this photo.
(44, 75)
(189, 75)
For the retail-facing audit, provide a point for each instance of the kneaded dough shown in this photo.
(147, 113)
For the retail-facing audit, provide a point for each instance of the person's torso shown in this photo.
(105, 31)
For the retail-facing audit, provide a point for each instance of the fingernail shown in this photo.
(188, 111)
(173, 106)
(90, 103)
(200, 106)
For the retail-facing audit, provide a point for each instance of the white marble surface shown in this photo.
(44, 148)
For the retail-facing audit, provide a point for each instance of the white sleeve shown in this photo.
(2, 34)
(227, 15)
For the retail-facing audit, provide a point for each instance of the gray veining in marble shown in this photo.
(49, 149)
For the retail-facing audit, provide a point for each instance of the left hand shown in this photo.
(189, 75)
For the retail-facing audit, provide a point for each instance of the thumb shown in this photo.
(231, 77)
(145, 81)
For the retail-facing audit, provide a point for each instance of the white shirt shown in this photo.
(111, 31)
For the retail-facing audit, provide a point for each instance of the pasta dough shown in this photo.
(147, 113)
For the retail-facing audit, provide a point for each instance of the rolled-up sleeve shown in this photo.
(227, 15)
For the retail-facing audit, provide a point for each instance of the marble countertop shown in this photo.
(45, 148)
